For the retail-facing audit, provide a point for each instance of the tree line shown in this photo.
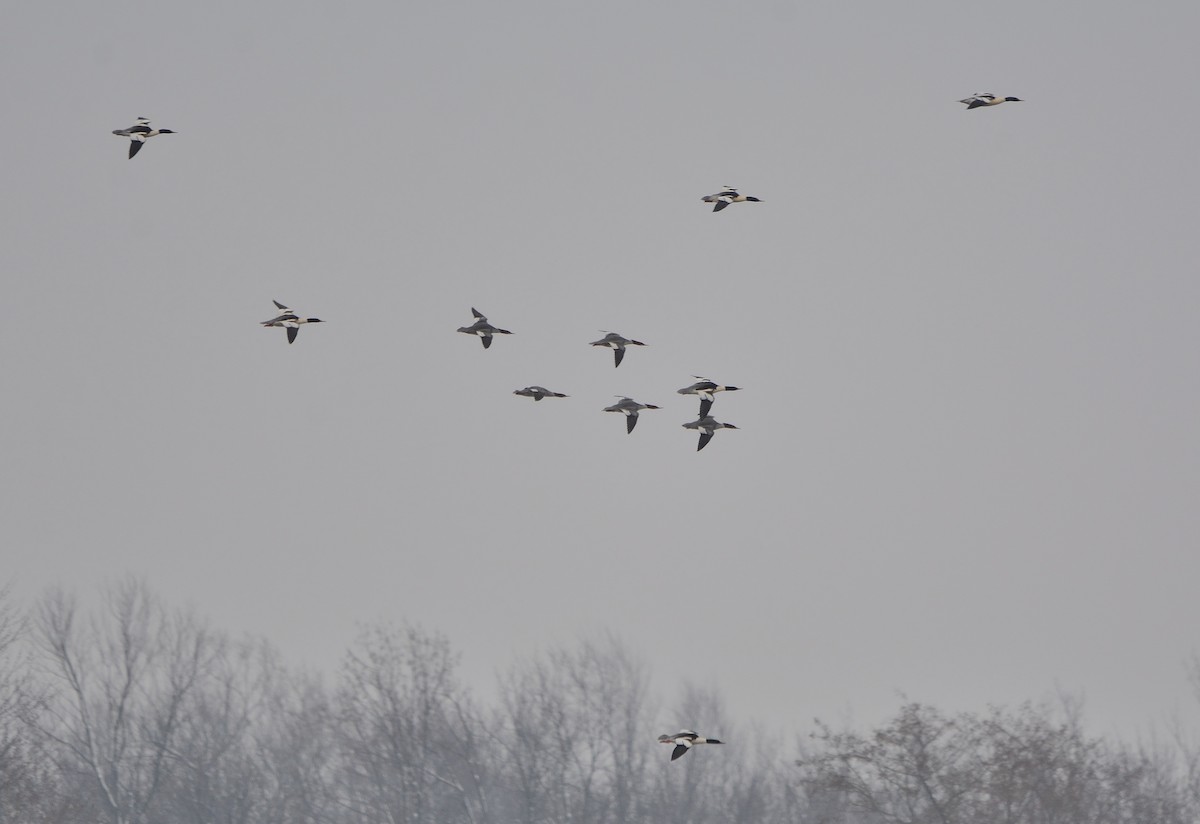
(134, 712)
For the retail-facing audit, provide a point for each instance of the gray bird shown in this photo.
(289, 320)
(726, 196)
(705, 389)
(482, 328)
(538, 392)
(684, 740)
(977, 100)
(706, 425)
(138, 134)
(630, 408)
(617, 343)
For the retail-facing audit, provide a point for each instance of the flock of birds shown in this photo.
(704, 388)
(705, 423)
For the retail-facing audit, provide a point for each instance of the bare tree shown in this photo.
(296, 752)
(28, 789)
(121, 680)
(575, 734)
(918, 769)
(217, 775)
(1031, 765)
(408, 733)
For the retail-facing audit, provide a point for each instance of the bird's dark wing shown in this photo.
(618, 354)
(292, 332)
(135, 146)
(721, 204)
(630, 423)
(705, 406)
(679, 750)
(486, 339)
(705, 437)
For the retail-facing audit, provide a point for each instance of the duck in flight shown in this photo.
(289, 320)
(684, 740)
(984, 99)
(726, 196)
(706, 425)
(705, 389)
(630, 408)
(537, 392)
(482, 328)
(138, 134)
(617, 343)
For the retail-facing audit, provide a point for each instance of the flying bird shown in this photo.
(630, 408)
(289, 320)
(706, 425)
(138, 134)
(482, 328)
(684, 740)
(617, 343)
(537, 392)
(726, 196)
(705, 389)
(985, 99)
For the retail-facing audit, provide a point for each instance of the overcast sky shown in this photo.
(969, 461)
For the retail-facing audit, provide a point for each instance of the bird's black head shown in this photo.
(753, 200)
(730, 426)
(1013, 99)
(315, 320)
(165, 131)
(731, 388)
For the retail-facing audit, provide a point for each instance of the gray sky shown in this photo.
(969, 461)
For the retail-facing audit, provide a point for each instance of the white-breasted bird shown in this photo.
(630, 408)
(617, 343)
(482, 328)
(726, 196)
(985, 99)
(706, 425)
(705, 389)
(538, 392)
(289, 320)
(138, 134)
(684, 740)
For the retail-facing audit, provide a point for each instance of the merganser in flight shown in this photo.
(977, 100)
(706, 425)
(289, 320)
(618, 344)
(726, 196)
(537, 392)
(631, 408)
(705, 389)
(482, 328)
(684, 740)
(138, 134)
